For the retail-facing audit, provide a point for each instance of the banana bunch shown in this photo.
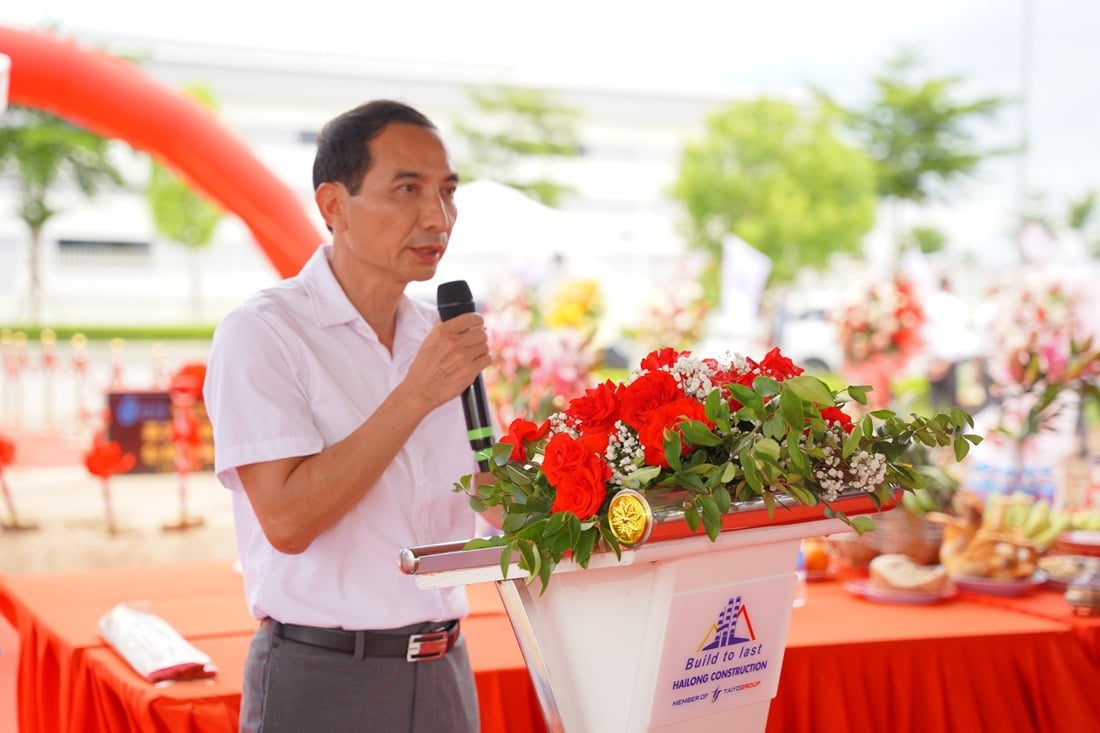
(1085, 519)
(1021, 515)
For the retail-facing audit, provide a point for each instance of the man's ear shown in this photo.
(331, 201)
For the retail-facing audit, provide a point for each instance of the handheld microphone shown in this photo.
(453, 299)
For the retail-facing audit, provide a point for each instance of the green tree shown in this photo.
(43, 153)
(1082, 216)
(920, 134)
(182, 215)
(777, 176)
(516, 126)
(925, 239)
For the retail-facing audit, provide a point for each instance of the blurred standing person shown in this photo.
(338, 428)
(949, 339)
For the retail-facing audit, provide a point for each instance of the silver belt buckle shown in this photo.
(423, 647)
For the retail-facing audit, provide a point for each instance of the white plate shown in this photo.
(904, 597)
(998, 587)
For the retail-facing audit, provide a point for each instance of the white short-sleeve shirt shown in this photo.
(293, 370)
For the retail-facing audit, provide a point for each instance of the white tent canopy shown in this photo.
(503, 237)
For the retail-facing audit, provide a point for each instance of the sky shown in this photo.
(1044, 53)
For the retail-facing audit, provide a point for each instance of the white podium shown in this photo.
(681, 634)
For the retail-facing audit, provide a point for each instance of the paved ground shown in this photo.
(66, 504)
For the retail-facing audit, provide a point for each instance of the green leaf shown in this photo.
(862, 524)
(532, 531)
(962, 447)
(767, 447)
(752, 474)
(691, 516)
(479, 543)
(556, 524)
(802, 494)
(690, 481)
(529, 558)
(517, 475)
(642, 476)
(790, 406)
(673, 448)
(798, 460)
(775, 427)
(750, 399)
(545, 569)
(697, 433)
(713, 405)
(722, 499)
(810, 389)
(712, 519)
(514, 521)
(583, 550)
(851, 443)
(766, 386)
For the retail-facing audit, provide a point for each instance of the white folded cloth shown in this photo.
(152, 646)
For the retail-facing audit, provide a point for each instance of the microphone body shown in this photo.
(453, 299)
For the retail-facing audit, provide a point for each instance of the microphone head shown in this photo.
(454, 298)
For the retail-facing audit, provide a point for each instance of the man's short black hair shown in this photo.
(343, 147)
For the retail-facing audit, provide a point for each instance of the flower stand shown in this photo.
(681, 634)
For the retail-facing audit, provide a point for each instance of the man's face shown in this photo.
(399, 222)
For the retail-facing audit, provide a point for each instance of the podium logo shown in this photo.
(731, 627)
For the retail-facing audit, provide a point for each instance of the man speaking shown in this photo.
(334, 399)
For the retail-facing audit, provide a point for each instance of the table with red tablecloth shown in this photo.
(1050, 604)
(958, 665)
(964, 664)
(70, 680)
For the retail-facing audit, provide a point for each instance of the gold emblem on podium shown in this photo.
(630, 517)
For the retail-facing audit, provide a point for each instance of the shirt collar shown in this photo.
(331, 306)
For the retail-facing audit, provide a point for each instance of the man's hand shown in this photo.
(449, 360)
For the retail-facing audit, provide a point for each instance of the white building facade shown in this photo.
(103, 263)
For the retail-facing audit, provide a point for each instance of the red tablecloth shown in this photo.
(959, 665)
(55, 616)
(964, 665)
(69, 680)
(1050, 604)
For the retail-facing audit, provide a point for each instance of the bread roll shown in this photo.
(901, 572)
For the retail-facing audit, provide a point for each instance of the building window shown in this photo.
(95, 252)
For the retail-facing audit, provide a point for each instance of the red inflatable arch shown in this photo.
(114, 98)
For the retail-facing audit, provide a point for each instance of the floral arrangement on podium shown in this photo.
(713, 432)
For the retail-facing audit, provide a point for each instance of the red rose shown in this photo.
(779, 367)
(644, 395)
(666, 417)
(520, 433)
(662, 358)
(598, 410)
(836, 416)
(578, 475)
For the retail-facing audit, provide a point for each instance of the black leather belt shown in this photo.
(420, 647)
